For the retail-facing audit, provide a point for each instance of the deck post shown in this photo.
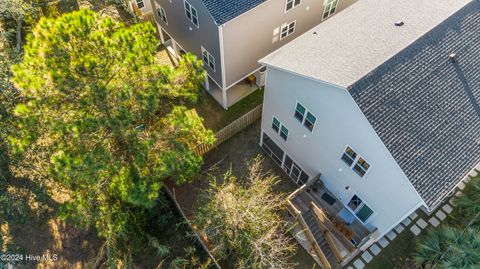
(224, 99)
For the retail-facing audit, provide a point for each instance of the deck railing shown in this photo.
(328, 224)
(310, 237)
(231, 130)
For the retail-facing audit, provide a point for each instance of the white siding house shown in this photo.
(339, 124)
(380, 106)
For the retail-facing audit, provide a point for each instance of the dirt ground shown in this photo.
(234, 154)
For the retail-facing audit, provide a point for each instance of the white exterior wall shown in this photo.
(385, 188)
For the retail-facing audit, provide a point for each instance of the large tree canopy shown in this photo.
(242, 221)
(103, 120)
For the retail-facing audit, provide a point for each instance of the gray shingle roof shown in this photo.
(361, 37)
(223, 11)
(426, 108)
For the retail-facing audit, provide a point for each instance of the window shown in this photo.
(191, 13)
(284, 133)
(330, 8)
(349, 156)
(279, 128)
(162, 14)
(292, 3)
(275, 125)
(305, 117)
(208, 59)
(361, 210)
(140, 4)
(357, 163)
(361, 167)
(310, 121)
(300, 112)
(287, 29)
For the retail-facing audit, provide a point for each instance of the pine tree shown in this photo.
(104, 123)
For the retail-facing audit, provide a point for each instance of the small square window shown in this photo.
(355, 202)
(349, 156)
(275, 125)
(299, 112)
(208, 59)
(330, 8)
(284, 133)
(292, 3)
(162, 14)
(140, 4)
(191, 13)
(310, 121)
(287, 29)
(361, 167)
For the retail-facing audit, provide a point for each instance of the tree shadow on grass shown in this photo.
(29, 225)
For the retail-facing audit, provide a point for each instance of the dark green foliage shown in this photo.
(449, 248)
(105, 123)
(468, 205)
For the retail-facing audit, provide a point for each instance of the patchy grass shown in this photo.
(215, 117)
(397, 254)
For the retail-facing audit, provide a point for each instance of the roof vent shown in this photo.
(315, 33)
(399, 23)
(453, 57)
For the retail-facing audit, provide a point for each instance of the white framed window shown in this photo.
(287, 29)
(291, 4)
(329, 8)
(361, 210)
(140, 4)
(305, 117)
(162, 14)
(208, 59)
(279, 128)
(191, 13)
(355, 161)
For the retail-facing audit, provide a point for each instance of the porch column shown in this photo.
(207, 82)
(160, 31)
(224, 99)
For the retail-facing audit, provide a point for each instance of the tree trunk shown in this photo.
(19, 34)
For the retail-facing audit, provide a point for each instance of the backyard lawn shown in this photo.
(228, 155)
(215, 117)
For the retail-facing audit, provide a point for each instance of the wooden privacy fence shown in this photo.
(231, 129)
(149, 17)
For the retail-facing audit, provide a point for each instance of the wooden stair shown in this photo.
(320, 238)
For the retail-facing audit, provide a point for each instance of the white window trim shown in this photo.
(354, 212)
(287, 25)
(140, 1)
(305, 116)
(329, 4)
(355, 162)
(159, 13)
(208, 58)
(185, 12)
(293, 5)
(280, 128)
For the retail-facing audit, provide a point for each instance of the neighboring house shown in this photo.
(232, 35)
(140, 7)
(381, 103)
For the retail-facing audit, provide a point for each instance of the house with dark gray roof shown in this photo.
(230, 36)
(376, 114)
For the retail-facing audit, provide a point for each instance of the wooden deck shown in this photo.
(356, 230)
